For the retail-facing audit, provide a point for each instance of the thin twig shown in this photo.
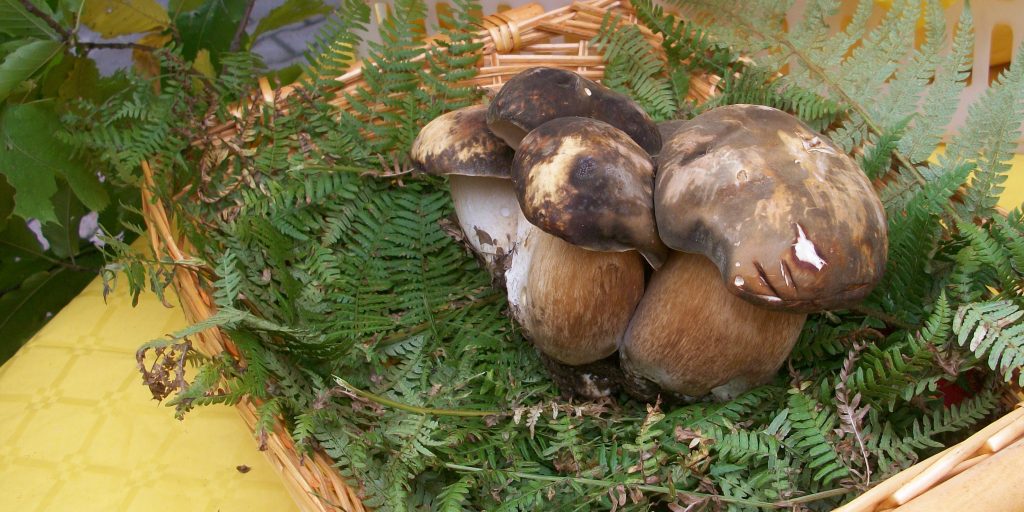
(90, 45)
(31, 8)
(885, 317)
(55, 261)
(236, 41)
(422, 326)
(426, 411)
(658, 488)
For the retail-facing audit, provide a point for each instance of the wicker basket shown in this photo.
(513, 40)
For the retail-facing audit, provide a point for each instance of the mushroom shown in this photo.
(572, 303)
(477, 163)
(538, 95)
(585, 181)
(777, 222)
(586, 193)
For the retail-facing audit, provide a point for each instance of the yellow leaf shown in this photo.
(203, 64)
(145, 62)
(112, 18)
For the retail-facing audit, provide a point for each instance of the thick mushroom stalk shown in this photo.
(692, 337)
(588, 183)
(477, 163)
(789, 222)
(585, 189)
(573, 304)
(539, 95)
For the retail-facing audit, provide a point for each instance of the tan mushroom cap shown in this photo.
(789, 219)
(538, 95)
(588, 183)
(460, 143)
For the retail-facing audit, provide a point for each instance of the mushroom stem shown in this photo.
(488, 213)
(691, 336)
(572, 303)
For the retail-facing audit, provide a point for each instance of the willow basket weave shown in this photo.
(513, 41)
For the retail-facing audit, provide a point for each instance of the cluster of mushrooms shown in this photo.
(678, 259)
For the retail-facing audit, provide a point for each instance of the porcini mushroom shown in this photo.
(585, 189)
(538, 95)
(458, 144)
(586, 182)
(778, 223)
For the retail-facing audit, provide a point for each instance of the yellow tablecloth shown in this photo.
(78, 431)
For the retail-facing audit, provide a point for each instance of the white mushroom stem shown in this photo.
(691, 336)
(572, 303)
(488, 214)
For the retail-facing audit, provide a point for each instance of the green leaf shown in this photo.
(63, 234)
(212, 27)
(26, 309)
(24, 62)
(15, 21)
(31, 158)
(6, 202)
(20, 255)
(81, 81)
(292, 11)
(112, 18)
(176, 6)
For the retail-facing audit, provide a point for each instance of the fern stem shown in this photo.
(426, 324)
(827, 80)
(656, 488)
(885, 317)
(426, 411)
(831, 493)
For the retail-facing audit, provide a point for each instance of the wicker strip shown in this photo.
(513, 41)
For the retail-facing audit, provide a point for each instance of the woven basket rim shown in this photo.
(313, 480)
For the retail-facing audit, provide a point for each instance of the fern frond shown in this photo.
(943, 94)
(810, 426)
(993, 332)
(989, 138)
(632, 67)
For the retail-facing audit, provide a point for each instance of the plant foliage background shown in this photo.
(368, 327)
(57, 203)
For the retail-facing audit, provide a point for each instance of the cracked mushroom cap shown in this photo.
(539, 95)
(460, 143)
(789, 219)
(588, 183)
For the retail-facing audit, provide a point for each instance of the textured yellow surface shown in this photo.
(78, 431)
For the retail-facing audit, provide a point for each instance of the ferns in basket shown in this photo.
(376, 337)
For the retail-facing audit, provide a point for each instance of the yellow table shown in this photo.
(78, 431)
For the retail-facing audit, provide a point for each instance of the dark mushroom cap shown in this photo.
(790, 220)
(588, 183)
(539, 95)
(460, 143)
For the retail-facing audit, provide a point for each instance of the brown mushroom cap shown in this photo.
(539, 95)
(667, 129)
(588, 183)
(790, 220)
(460, 143)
